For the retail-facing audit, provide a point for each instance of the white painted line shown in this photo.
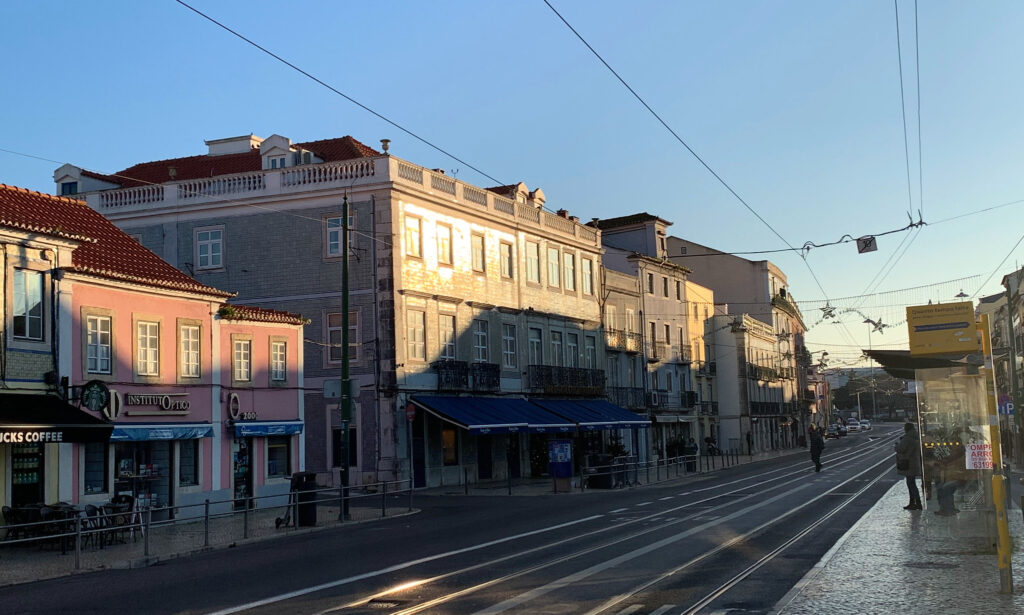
(668, 497)
(617, 510)
(663, 609)
(644, 504)
(629, 610)
(403, 565)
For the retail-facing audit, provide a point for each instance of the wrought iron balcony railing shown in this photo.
(627, 397)
(557, 380)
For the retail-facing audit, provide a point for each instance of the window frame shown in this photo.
(507, 259)
(412, 236)
(275, 442)
(650, 283)
(183, 324)
(447, 337)
(481, 333)
(569, 271)
(278, 373)
(587, 276)
(109, 320)
(557, 353)
(445, 254)
(509, 350)
(590, 351)
(137, 349)
(533, 262)
(535, 345)
(554, 267)
(353, 337)
(478, 254)
(196, 478)
(416, 335)
(572, 349)
(221, 243)
(24, 311)
(332, 234)
(241, 364)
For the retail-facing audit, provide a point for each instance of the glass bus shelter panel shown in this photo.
(953, 422)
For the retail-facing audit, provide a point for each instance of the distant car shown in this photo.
(852, 425)
(831, 432)
(841, 429)
(865, 424)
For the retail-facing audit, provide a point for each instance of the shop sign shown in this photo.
(165, 401)
(235, 410)
(979, 456)
(942, 328)
(27, 436)
(162, 403)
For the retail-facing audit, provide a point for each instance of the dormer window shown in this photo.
(68, 188)
(277, 162)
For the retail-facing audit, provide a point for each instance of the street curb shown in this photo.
(817, 569)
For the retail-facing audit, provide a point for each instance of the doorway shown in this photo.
(241, 458)
(484, 458)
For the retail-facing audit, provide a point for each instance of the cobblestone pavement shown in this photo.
(21, 563)
(895, 561)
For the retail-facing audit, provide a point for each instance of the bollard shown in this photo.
(206, 524)
(295, 510)
(145, 532)
(410, 494)
(245, 519)
(78, 542)
(341, 505)
(384, 500)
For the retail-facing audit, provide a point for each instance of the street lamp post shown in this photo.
(346, 386)
(874, 403)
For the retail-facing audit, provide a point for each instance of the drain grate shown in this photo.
(931, 565)
(384, 604)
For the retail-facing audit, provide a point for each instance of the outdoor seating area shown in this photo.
(60, 523)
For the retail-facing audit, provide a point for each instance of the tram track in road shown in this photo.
(756, 486)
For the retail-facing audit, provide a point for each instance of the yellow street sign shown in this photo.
(943, 328)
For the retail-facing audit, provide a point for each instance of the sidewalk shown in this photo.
(23, 563)
(895, 561)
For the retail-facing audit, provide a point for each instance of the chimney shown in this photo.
(563, 213)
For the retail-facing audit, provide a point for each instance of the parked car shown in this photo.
(865, 424)
(831, 432)
(841, 429)
(852, 425)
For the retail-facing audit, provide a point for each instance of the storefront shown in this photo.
(263, 458)
(32, 428)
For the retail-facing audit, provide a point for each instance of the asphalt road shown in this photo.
(737, 539)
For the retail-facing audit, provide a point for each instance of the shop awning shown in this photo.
(593, 414)
(142, 432)
(267, 428)
(27, 418)
(485, 415)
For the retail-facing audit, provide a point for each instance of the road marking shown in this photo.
(617, 510)
(629, 610)
(643, 504)
(403, 565)
(667, 497)
(663, 609)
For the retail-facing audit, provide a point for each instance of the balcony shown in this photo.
(708, 408)
(451, 375)
(485, 376)
(666, 400)
(627, 397)
(658, 351)
(682, 354)
(706, 369)
(556, 380)
(623, 341)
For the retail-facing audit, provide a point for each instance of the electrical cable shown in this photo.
(903, 107)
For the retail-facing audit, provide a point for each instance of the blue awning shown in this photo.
(486, 415)
(593, 414)
(140, 432)
(267, 428)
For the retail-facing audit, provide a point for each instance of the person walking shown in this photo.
(908, 463)
(817, 445)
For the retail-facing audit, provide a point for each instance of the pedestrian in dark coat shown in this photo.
(817, 445)
(908, 463)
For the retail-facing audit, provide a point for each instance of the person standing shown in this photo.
(817, 445)
(908, 463)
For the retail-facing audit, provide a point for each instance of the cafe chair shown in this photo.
(12, 520)
(93, 524)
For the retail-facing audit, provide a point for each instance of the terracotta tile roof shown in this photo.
(106, 251)
(233, 311)
(196, 167)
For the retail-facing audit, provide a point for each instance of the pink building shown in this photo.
(204, 397)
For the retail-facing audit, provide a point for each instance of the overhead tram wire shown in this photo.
(903, 108)
(683, 143)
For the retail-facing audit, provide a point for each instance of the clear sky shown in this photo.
(795, 104)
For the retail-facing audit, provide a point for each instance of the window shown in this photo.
(446, 326)
(68, 188)
(413, 247)
(668, 333)
(415, 324)
(188, 463)
(556, 348)
(189, 351)
(668, 381)
(508, 346)
(650, 283)
(507, 261)
(479, 257)
(610, 317)
(277, 162)
(661, 243)
(450, 446)
(533, 262)
(97, 354)
(334, 230)
(97, 455)
(695, 310)
(572, 350)
(279, 456)
(664, 286)
(553, 266)
(209, 248)
(28, 304)
(570, 271)
(587, 276)
(630, 320)
(679, 290)
(590, 352)
(148, 348)
(536, 347)
(480, 341)
(242, 361)
(444, 244)
(334, 349)
(682, 339)
(278, 361)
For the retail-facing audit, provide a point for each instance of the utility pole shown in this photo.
(346, 385)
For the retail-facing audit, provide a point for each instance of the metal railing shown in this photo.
(631, 472)
(188, 527)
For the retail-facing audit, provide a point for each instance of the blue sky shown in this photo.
(795, 104)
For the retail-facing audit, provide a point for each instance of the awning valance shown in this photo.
(142, 432)
(267, 428)
(485, 415)
(593, 414)
(40, 418)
